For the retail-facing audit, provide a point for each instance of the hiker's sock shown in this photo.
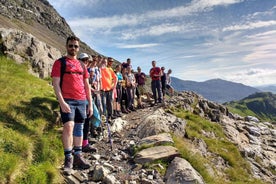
(77, 150)
(68, 152)
(84, 142)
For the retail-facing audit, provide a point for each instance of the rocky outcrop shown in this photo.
(255, 139)
(25, 48)
(257, 143)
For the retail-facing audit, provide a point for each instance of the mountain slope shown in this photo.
(261, 105)
(40, 19)
(216, 90)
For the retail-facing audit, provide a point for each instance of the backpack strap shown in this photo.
(63, 69)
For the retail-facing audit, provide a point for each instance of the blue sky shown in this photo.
(199, 40)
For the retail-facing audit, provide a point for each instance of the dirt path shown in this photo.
(121, 155)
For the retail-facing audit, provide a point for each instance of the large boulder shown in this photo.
(24, 47)
(180, 171)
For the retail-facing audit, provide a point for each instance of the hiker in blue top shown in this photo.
(118, 100)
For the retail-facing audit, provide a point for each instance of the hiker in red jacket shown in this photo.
(72, 96)
(155, 74)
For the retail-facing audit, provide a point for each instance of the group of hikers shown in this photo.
(88, 88)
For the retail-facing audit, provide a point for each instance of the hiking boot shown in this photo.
(80, 162)
(113, 117)
(88, 148)
(124, 111)
(132, 109)
(119, 114)
(68, 165)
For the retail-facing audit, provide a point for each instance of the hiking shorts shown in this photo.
(141, 89)
(78, 111)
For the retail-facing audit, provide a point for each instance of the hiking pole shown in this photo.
(109, 134)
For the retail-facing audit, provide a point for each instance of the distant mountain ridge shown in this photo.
(261, 105)
(267, 88)
(216, 90)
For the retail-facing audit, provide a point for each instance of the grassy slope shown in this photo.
(261, 105)
(30, 147)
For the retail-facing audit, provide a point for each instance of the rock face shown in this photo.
(39, 11)
(24, 47)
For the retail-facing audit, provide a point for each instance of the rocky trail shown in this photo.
(117, 161)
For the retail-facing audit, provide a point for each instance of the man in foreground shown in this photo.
(72, 90)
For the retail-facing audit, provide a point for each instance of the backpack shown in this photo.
(63, 69)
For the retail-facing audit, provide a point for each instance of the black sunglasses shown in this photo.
(85, 59)
(71, 46)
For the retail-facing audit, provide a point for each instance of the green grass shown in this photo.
(239, 169)
(30, 146)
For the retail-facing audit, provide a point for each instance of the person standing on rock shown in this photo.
(155, 74)
(168, 82)
(72, 90)
(163, 82)
(141, 81)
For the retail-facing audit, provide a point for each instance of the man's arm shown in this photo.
(63, 105)
(115, 79)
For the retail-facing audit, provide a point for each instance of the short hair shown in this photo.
(72, 38)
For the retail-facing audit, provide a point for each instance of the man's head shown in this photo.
(109, 61)
(128, 60)
(118, 67)
(72, 45)
(153, 63)
(139, 69)
(95, 58)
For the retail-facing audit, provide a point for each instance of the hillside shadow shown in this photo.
(13, 124)
(37, 108)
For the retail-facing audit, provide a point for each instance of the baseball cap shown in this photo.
(83, 55)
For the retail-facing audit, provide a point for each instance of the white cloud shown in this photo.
(137, 46)
(195, 6)
(69, 3)
(253, 76)
(251, 25)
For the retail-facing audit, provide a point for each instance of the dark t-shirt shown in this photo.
(163, 80)
(139, 79)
